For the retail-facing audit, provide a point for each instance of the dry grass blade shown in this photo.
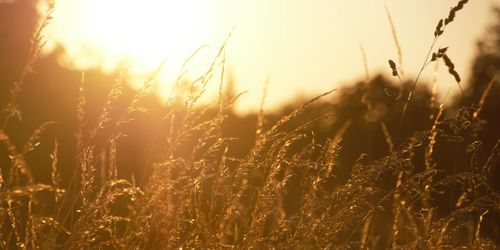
(396, 40)
(105, 117)
(34, 139)
(433, 102)
(37, 43)
(432, 139)
(182, 72)
(17, 159)
(221, 83)
(1, 186)
(260, 117)
(387, 136)
(365, 232)
(478, 229)
(205, 77)
(146, 87)
(365, 63)
(480, 105)
(80, 116)
(88, 175)
(333, 146)
(112, 164)
(297, 111)
(54, 173)
(490, 163)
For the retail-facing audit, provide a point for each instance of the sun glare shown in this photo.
(108, 33)
(289, 42)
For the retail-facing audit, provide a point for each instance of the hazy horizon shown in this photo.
(302, 47)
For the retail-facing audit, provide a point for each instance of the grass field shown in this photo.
(428, 180)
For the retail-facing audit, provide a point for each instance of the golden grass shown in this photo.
(283, 194)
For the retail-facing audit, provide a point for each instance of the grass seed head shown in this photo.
(393, 68)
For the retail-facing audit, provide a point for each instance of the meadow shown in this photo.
(386, 165)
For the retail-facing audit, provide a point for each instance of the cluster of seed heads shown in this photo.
(451, 16)
(441, 53)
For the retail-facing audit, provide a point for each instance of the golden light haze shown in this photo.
(302, 46)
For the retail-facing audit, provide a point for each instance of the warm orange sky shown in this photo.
(303, 46)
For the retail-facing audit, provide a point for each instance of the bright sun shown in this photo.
(146, 32)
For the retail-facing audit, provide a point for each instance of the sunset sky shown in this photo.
(303, 46)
